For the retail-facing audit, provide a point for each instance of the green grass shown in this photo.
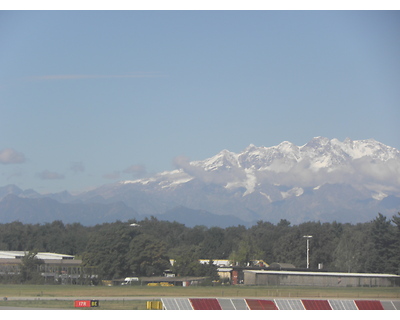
(194, 291)
(154, 293)
(65, 305)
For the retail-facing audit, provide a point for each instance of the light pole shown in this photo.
(308, 250)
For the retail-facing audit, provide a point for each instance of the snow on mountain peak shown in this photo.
(322, 179)
(224, 159)
(250, 148)
(319, 161)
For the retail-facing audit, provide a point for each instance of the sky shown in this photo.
(95, 97)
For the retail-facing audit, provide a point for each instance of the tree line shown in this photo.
(120, 250)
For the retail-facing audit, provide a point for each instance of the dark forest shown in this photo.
(121, 250)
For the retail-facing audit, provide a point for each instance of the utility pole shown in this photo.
(308, 237)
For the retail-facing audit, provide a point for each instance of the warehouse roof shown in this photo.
(40, 255)
(332, 274)
(59, 262)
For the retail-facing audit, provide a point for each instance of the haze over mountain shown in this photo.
(325, 179)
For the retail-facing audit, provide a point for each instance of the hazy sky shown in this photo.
(93, 97)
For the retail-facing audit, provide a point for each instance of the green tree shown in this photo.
(29, 271)
(325, 239)
(396, 249)
(13, 236)
(188, 265)
(211, 270)
(290, 248)
(382, 242)
(108, 248)
(211, 245)
(263, 236)
(231, 240)
(190, 240)
(349, 254)
(396, 221)
(75, 239)
(147, 256)
(247, 252)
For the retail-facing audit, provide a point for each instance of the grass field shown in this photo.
(65, 305)
(40, 294)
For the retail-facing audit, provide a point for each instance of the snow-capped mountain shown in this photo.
(325, 180)
(333, 178)
(318, 162)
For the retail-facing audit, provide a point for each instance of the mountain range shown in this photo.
(324, 180)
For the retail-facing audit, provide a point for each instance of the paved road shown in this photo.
(20, 308)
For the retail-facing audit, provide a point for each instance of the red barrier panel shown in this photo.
(205, 304)
(368, 305)
(256, 304)
(316, 304)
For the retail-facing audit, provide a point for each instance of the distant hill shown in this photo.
(191, 218)
(42, 210)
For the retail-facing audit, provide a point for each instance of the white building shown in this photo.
(40, 255)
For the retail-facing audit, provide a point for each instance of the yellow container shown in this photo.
(153, 284)
(166, 284)
(154, 305)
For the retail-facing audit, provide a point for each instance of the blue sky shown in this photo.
(94, 97)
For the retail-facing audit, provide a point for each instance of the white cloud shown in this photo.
(371, 174)
(10, 156)
(361, 172)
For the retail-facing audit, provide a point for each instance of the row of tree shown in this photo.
(118, 249)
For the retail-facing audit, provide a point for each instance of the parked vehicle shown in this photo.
(129, 280)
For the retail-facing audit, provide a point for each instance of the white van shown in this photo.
(129, 280)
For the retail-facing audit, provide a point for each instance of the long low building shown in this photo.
(322, 279)
(39, 255)
(55, 267)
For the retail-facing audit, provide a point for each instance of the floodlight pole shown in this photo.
(308, 250)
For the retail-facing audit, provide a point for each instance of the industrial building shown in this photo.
(39, 255)
(321, 279)
(55, 268)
